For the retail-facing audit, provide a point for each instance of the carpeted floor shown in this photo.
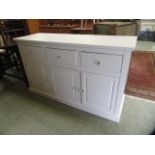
(141, 80)
(24, 113)
(145, 46)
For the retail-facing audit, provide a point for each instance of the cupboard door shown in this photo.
(65, 83)
(99, 92)
(37, 77)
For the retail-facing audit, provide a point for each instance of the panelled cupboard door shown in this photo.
(99, 92)
(37, 76)
(65, 83)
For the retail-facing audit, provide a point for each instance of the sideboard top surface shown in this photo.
(128, 42)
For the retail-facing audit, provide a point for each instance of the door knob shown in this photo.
(59, 57)
(97, 62)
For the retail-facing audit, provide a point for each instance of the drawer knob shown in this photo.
(97, 63)
(58, 57)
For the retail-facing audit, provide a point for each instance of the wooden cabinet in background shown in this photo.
(56, 29)
(60, 26)
(50, 25)
(33, 25)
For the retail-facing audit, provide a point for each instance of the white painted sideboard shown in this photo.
(88, 72)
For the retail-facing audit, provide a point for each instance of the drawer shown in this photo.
(101, 63)
(62, 56)
(33, 53)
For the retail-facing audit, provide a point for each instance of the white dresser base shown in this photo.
(88, 72)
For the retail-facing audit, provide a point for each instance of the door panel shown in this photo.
(37, 76)
(99, 91)
(66, 83)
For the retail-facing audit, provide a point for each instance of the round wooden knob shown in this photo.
(98, 62)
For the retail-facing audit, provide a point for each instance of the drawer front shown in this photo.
(102, 63)
(33, 53)
(64, 57)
